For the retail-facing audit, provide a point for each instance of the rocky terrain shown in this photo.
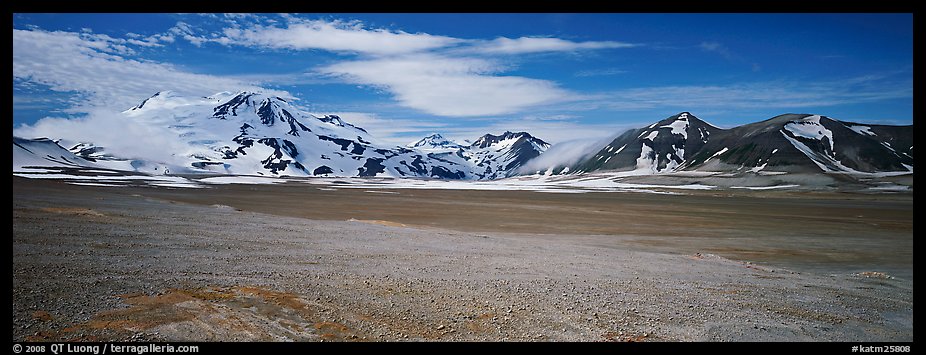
(102, 263)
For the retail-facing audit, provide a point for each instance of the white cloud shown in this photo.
(549, 117)
(335, 36)
(710, 46)
(565, 153)
(115, 131)
(550, 131)
(716, 47)
(95, 66)
(185, 31)
(155, 40)
(353, 36)
(599, 72)
(400, 131)
(30, 101)
(448, 86)
(393, 131)
(503, 45)
(784, 94)
(439, 75)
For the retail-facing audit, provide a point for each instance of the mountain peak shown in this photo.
(786, 143)
(252, 132)
(681, 116)
(686, 116)
(159, 96)
(434, 141)
(490, 139)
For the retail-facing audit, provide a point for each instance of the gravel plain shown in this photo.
(98, 263)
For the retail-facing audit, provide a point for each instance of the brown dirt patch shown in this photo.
(332, 330)
(252, 312)
(73, 211)
(42, 316)
(145, 312)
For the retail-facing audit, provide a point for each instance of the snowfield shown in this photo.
(251, 133)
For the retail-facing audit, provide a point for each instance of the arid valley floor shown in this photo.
(308, 263)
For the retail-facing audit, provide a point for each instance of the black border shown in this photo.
(482, 6)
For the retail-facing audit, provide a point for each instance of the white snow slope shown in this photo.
(33, 155)
(248, 133)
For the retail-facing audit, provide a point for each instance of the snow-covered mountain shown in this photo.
(489, 157)
(434, 142)
(43, 152)
(502, 155)
(791, 143)
(251, 133)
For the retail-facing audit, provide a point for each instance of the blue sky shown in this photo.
(401, 76)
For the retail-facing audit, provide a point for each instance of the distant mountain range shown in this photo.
(251, 133)
(490, 156)
(785, 143)
(254, 134)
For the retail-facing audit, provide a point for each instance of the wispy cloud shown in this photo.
(550, 131)
(187, 32)
(114, 131)
(783, 94)
(439, 75)
(443, 86)
(394, 131)
(599, 72)
(550, 117)
(97, 66)
(334, 36)
(562, 128)
(565, 153)
(717, 47)
(31, 101)
(522, 45)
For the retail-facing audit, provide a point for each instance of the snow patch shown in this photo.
(645, 162)
(252, 180)
(764, 187)
(94, 184)
(177, 184)
(862, 130)
(891, 188)
(598, 182)
(719, 152)
(679, 126)
(822, 160)
(758, 168)
(770, 173)
(888, 146)
(810, 128)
